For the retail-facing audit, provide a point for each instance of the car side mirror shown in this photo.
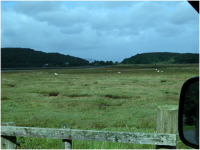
(188, 115)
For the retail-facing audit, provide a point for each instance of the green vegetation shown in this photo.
(26, 57)
(102, 63)
(186, 127)
(92, 99)
(162, 57)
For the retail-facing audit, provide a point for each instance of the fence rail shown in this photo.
(90, 135)
(161, 140)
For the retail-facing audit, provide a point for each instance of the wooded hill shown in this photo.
(26, 57)
(162, 57)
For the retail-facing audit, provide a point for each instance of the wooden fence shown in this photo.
(167, 127)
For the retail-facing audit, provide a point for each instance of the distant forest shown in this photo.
(162, 57)
(26, 57)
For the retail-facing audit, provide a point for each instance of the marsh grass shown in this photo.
(92, 99)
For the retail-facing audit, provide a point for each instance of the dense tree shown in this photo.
(187, 58)
(164, 57)
(101, 63)
(26, 57)
(116, 63)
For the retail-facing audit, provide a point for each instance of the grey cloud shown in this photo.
(117, 4)
(77, 29)
(128, 32)
(98, 33)
(169, 30)
(53, 12)
(147, 14)
(109, 20)
(183, 13)
(36, 7)
(9, 32)
(101, 23)
(45, 32)
(123, 32)
(137, 17)
(111, 4)
(65, 17)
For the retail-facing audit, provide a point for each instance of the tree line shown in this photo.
(162, 57)
(26, 57)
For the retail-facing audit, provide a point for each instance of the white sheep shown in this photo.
(56, 74)
(119, 72)
(158, 71)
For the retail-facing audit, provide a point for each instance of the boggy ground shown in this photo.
(92, 99)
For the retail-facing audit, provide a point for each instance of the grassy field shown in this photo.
(92, 99)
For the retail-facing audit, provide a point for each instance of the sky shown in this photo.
(100, 30)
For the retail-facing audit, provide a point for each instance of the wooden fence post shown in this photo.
(67, 144)
(167, 122)
(8, 142)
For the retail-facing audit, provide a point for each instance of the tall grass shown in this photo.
(91, 99)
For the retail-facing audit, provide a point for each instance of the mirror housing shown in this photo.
(188, 114)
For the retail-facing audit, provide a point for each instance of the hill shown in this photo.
(26, 57)
(162, 57)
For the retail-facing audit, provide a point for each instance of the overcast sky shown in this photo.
(100, 30)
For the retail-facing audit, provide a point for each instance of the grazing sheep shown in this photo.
(119, 72)
(56, 74)
(158, 71)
